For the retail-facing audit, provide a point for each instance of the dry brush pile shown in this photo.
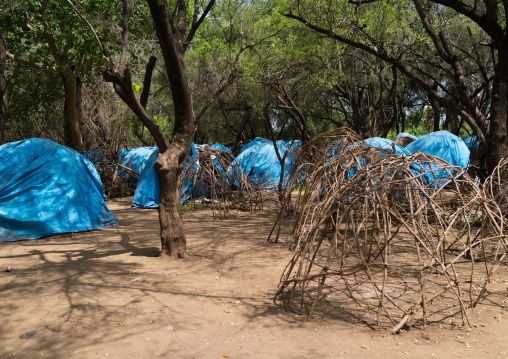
(380, 232)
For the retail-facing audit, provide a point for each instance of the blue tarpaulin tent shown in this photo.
(147, 191)
(261, 166)
(47, 188)
(386, 144)
(444, 145)
(135, 158)
(254, 142)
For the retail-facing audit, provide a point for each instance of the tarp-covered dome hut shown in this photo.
(386, 144)
(260, 165)
(220, 147)
(46, 189)
(252, 143)
(444, 145)
(136, 158)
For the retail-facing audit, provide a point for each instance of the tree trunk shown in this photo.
(72, 109)
(3, 88)
(169, 170)
(497, 141)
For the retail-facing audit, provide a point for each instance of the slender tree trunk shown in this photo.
(170, 163)
(497, 141)
(72, 109)
(3, 88)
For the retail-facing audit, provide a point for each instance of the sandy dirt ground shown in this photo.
(107, 294)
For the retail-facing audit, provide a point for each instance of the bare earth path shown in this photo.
(82, 294)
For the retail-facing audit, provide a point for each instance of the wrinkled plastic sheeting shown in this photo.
(135, 158)
(46, 189)
(386, 144)
(446, 146)
(253, 143)
(405, 134)
(220, 147)
(95, 156)
(147, 191)
(472, 142)
(261, 166)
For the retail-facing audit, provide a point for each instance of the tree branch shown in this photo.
(196, 25)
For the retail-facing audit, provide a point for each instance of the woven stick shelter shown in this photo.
(397, 232)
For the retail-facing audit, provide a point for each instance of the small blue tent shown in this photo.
(47, 188)
(147, 191)
(444, 145)
(261, 166)
(386, 144)
(135, 158)
(254, 142)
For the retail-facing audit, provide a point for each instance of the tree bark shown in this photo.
(497, 140)
(3, 88)
(170, 163)
(71, 100)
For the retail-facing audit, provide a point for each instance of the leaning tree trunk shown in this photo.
(497, 140)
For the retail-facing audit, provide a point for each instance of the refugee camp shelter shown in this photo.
(47, 188)
(220, 147)
(260, 165)
(386, 144)
(252, 143)
(444, 145)
(135, 158)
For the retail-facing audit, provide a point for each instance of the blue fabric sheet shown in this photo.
(147, 191)
(386, 144)
(135, 158)
(472, 143)
(252, 143)
(261, 165)
(46, 189)
(444, 145)
(405, 134)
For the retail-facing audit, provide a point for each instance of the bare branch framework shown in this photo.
(398, 232)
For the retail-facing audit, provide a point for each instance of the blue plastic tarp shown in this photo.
(261, 166)
(405, 134)
(386, 144)
(472, 143)
(46, 189)
(95, 156)
(135, 158)
(444, 145)
(219, 147)
(147, 191)
(252, 143)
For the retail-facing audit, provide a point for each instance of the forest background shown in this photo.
(294, 68)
